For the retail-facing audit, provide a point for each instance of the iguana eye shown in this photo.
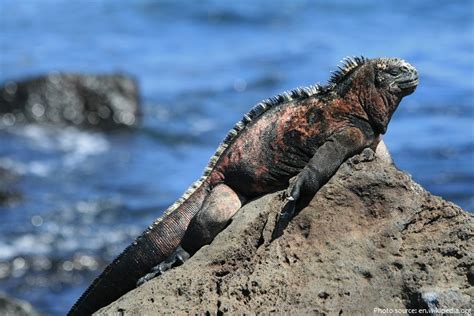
(393, 71)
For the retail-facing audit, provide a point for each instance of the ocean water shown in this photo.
(200, 66)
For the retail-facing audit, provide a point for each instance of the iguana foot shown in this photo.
(297, 185)
(286, 214)
(177, 258)
(288, 209)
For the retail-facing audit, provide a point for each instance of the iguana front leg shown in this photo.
(321, 167)
(216, 212)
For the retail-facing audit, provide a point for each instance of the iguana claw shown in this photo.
(286, 214)
(177, 258)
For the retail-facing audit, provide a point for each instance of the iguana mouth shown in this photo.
(410, 83)
(408, 79)
(408, 86)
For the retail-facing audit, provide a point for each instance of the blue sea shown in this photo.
(200, 65)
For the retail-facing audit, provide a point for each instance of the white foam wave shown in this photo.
(38, 168)
(73, 145)
(67, 239)
(26, 244)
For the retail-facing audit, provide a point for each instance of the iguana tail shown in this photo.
(148, 250)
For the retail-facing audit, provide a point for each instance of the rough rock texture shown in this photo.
(13, 307)
(102, 101)
(370, 238)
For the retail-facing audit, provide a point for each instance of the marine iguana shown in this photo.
(296, 140)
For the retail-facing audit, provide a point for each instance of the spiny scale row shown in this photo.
(348, 65)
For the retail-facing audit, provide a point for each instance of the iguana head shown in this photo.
(377, 84)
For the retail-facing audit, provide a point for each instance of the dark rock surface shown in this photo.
(14, 307)
(371, 238)
(101, 101)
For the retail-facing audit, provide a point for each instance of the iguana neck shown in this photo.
(378, 105)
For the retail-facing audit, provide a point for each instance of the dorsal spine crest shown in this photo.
(347, 66)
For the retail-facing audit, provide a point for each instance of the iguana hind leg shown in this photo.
(216, 212)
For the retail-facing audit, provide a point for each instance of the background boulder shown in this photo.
(100, 101)
(14, 307)
(8, 194)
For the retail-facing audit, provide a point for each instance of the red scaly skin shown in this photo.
(278, 145)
